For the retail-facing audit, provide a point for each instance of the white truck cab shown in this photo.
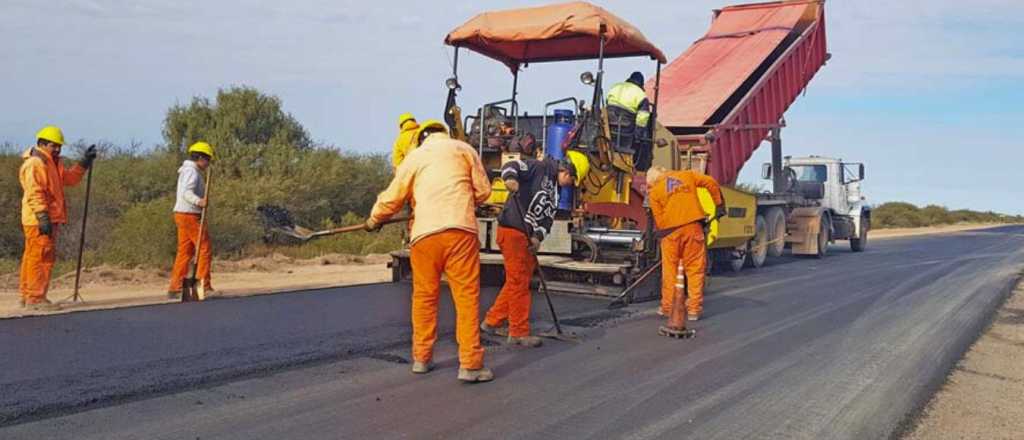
(835, 186)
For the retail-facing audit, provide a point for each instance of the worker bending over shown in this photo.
(444, 181)
(406, 140)
(44, 212)
(188, 208)
(630, 111)
(679, 218)
(533, 186)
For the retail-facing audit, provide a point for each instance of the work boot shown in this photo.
(173, 294)
(43, 306)
(525, 341)
(422, 367)
(693, 317)
(493, 331)
(474, 376)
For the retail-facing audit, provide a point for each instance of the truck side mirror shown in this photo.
(861, 171)
(766, 171)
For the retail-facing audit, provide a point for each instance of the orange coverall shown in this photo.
(675, 204)
(444, 181)
(188, 235)
(42, 181)
(513, 303)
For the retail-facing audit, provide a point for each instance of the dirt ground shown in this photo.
(908, 232)
(108, 287)
(984, 396)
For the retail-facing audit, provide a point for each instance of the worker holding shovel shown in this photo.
(444, 181)
(189, 206)
(523, 224)
(44, 212)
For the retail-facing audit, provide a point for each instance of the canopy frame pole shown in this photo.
(455, 64)
(657, 90)
(515, 104)
(596, 101)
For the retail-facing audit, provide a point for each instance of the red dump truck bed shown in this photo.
(725, 93)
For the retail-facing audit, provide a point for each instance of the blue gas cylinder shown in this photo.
(557, 132)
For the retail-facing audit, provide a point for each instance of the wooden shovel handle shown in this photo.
(357, 227)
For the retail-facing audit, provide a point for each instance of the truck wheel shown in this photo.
(775, 221)
(758, 250)
(858, 244)
(736, 264)
(823, 236)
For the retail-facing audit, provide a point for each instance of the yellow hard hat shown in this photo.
(580, 162)
(201, 147)
(429, 124)
(405, 117)
(52, 134)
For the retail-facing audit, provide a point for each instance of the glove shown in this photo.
(371, 226)
(721, 211)
(45, 227)
(512, 185)
(90, 156)
(534, 245)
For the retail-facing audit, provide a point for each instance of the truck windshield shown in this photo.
(811, 173)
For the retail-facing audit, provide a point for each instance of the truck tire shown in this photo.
(858, 244)
(736, 264)
(757, 251)
(775, 221)
(824, 236)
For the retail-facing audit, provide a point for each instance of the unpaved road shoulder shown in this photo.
(984, 396)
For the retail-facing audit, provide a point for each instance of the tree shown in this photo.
(240, 115)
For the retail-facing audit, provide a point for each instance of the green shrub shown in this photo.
(144, 236)
(907, 215)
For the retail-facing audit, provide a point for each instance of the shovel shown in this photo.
(278, 219)
(192, 289)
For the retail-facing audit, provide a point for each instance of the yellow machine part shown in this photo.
(737, 228)
(708, 204)
(610, 186)
(499, 194)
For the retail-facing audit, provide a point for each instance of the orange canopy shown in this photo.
(566, 31)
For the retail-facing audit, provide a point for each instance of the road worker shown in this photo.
(444, 181)
(188, 207)
(44, 211)
(679, 218)
(629, 112)
(533, 184)
(405, 141)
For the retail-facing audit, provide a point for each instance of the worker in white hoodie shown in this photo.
(188, 207)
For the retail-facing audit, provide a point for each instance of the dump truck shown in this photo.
(712, 107)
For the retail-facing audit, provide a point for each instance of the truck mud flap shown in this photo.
(804, 225)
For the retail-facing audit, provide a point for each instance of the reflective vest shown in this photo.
(632, 98)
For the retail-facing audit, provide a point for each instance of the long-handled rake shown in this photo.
(76, 297)
(279, 220)
(558, 334)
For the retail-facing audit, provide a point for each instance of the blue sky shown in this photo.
(927, 93)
